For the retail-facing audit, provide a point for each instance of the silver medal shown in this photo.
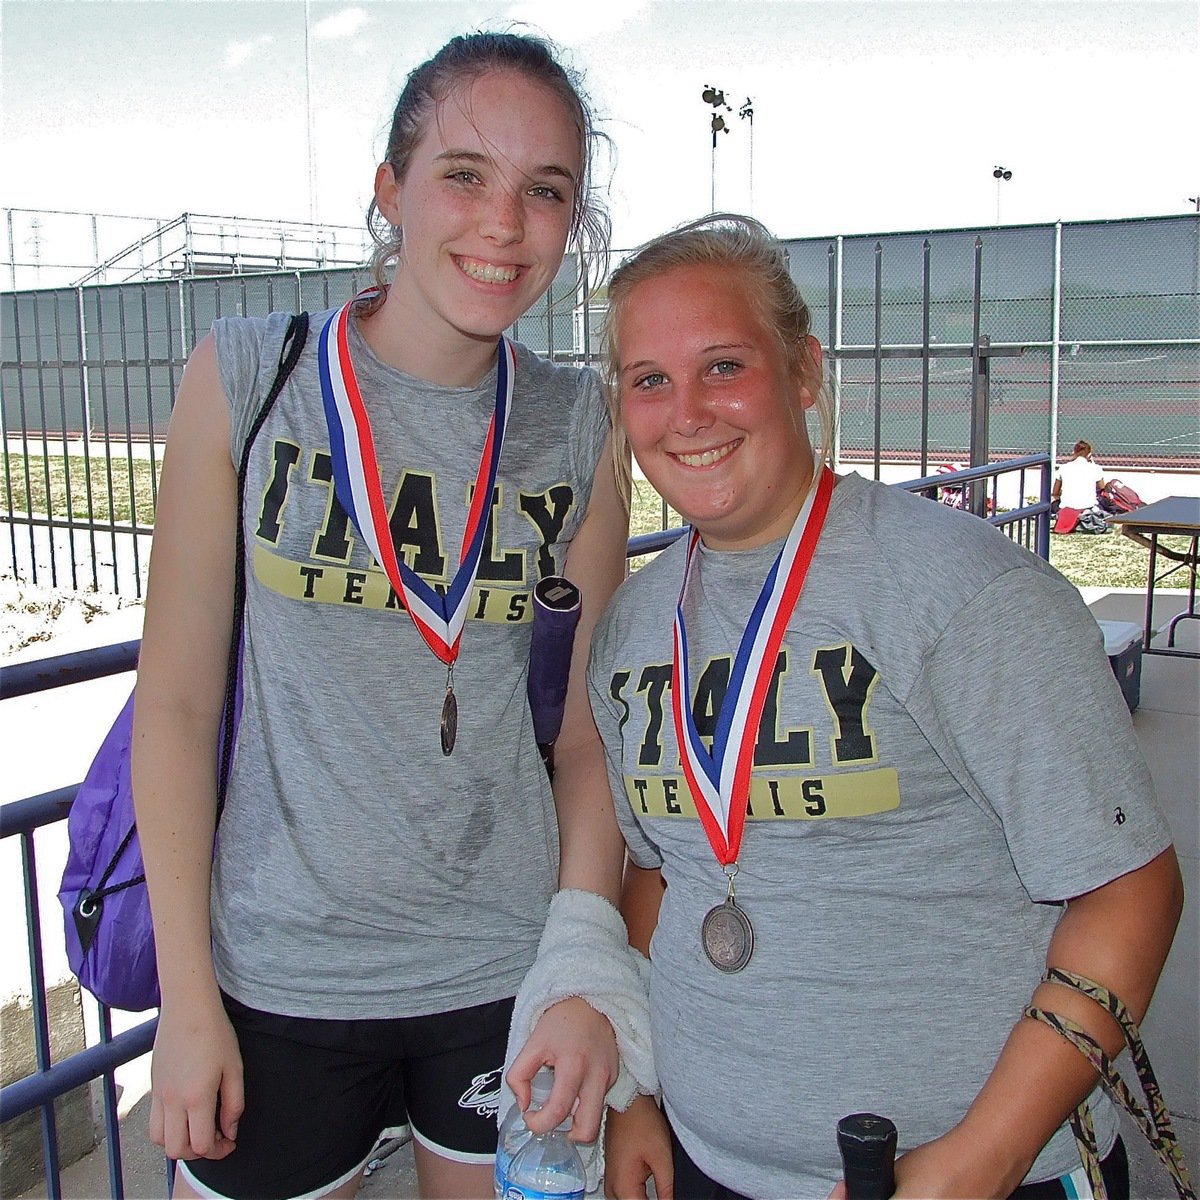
(449, 722)
(727, 936)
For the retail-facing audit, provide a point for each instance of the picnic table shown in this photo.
(1177, 516)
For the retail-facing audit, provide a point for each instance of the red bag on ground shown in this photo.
(1066, 521)
(1118, 497)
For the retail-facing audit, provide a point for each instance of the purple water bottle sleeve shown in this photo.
(556, 607)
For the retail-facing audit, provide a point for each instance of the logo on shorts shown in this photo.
(484, 1094)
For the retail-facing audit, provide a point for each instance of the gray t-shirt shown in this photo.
(918, 802)
(360, 873)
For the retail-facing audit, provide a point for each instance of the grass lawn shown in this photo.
(97, 467)
(1108, 560)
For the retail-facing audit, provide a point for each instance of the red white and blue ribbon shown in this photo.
(356, 478)
(720, 780)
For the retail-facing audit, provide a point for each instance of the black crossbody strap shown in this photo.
(293, 344)
(289, 355)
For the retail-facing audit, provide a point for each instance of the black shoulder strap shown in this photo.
(289, 355)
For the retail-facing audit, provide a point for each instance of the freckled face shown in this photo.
(485, 206)
(713, 414)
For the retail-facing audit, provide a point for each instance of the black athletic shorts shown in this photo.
(691, 1183)
(320, 1094)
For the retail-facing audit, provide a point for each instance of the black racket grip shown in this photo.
(868, 1147)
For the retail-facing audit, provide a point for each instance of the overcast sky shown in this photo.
(867, 116)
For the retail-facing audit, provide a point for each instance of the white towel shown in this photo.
(585, 952)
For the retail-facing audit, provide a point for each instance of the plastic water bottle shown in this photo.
(514, 1133)
(547, 1167)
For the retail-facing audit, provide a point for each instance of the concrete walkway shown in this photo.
(70, 722)
(1168, 729)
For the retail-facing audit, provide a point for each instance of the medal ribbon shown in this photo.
(716, 779)
(356, 479)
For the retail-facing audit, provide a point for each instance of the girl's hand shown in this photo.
(637, 1147)
(196, 1076)
(579, 1043)
(947, 1167)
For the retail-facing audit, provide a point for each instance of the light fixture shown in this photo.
(715, 99)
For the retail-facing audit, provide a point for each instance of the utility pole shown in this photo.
(746, 112)
(1000, 175)
(308, 115)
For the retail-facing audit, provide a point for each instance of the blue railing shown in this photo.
(979, 491)
(22, 818)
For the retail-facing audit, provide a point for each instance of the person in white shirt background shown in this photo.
(1079, 479)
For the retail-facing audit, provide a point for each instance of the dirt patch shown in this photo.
(31, 615)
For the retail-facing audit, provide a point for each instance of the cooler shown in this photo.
(1123, 645)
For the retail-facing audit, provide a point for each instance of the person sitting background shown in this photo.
(1079, 479)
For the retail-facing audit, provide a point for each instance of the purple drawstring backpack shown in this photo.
(109, 934)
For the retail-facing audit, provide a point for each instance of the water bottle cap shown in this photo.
(541, 1086)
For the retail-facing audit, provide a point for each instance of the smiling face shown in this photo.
(713, 413)
(485, 205)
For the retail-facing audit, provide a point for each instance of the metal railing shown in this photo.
(22, 819)
(977, 489)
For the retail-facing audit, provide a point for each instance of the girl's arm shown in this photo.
(591, 847)
(571, 1036)
(1118, 935)
(180, 690)
(641, 897)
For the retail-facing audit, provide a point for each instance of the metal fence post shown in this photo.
(979, 384)
(925, 314)
(150, 438)
(878, 358)
(41, 1022)
(40, 359)
(106, 418)
(8, 480)
(24, 417)
(85, 399)
(1055, 339)
(831, 351)
(12, 252)
(66, 449)
(133, 500)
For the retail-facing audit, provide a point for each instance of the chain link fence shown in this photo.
(1085, 330)
(1106, 316)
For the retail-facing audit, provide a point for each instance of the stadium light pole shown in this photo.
(1000, 175)
(308, 118)
(715, 99)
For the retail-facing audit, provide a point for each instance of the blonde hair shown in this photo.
(726, 241)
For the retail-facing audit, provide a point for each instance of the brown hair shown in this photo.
(1082, 447)
(460, 61)
(735, 243)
